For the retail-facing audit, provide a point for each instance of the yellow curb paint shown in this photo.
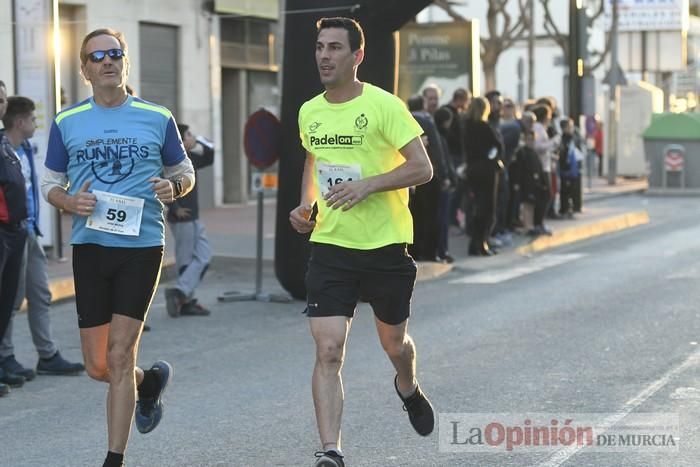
(583, 232)
(62, 289)
(429, 270)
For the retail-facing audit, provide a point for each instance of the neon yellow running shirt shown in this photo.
(352, 140)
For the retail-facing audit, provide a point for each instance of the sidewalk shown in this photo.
(232, 233)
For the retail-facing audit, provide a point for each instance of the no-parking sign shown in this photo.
(262, 139)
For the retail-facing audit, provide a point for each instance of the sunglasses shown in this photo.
(98, 55)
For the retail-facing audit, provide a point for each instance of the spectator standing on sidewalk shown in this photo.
(526, 123)
(118, 227)
(425, 199)
(545, 148)
(529, 182)
(554, 134)
(459, 103)
(443, 122)
(500, 236)
(20, 123)
(363, 224)
(569, 171)
(431, 96)
(192, 250)
(510, 132)
(598, 144)
(13, 234)
(484, 150)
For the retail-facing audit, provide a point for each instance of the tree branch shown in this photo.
(551, 28)
(447, 7)
(517, 32)
(599, 11)
(608, 41)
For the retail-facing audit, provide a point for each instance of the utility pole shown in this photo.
(612, 110)
(531, 52)
(578, 54)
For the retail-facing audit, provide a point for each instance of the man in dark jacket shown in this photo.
(13, 234)
(426, 198)
(460, 100)
(20, 124)
(530, 184)
(192, 250)
(484, 151)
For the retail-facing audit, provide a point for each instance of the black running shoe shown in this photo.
(329, 459)
(420, 411)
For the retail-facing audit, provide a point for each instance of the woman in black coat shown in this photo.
(484, 150)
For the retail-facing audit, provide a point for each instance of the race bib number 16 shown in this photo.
(333, 174)
(116, 214)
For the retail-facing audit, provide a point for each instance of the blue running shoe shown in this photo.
(149, 410)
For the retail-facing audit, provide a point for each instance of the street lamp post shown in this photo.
(578, 56)
(612, 110)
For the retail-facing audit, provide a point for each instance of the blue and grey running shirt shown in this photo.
(117, 149)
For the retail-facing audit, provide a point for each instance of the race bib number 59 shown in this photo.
(116, 214)
(333, 174)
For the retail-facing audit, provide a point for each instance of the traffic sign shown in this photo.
(674, 158)
(263, 181)
(262, 139)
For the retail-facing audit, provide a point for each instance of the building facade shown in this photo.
(212, 63)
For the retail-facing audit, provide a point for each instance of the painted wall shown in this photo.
(7, 64)
(194, 62)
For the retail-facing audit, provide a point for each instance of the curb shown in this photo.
(61, 289)
(602, 196)
(583, 232)
(657, 191)
(428, 270)
(64, 288)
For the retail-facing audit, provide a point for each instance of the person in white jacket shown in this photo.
(545, 148)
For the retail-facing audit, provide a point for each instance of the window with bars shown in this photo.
(247, 43)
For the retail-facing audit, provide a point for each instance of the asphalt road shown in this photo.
(609, 325)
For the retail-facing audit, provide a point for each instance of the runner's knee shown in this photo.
(97, 371)
(120, 359)
(329, 352)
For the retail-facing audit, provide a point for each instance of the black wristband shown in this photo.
(178, 188)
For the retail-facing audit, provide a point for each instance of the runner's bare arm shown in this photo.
(416, 170)
(53, 188)
(299, 216)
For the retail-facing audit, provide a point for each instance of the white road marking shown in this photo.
(685, 393)
(537, 263)
(562, 456)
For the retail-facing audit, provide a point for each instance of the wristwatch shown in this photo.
(178, 187)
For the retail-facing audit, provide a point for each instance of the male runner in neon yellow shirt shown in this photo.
(363, 152)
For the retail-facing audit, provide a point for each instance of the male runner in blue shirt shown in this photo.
(113, 160)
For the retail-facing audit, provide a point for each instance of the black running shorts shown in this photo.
(339, 277)
(112, 280)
